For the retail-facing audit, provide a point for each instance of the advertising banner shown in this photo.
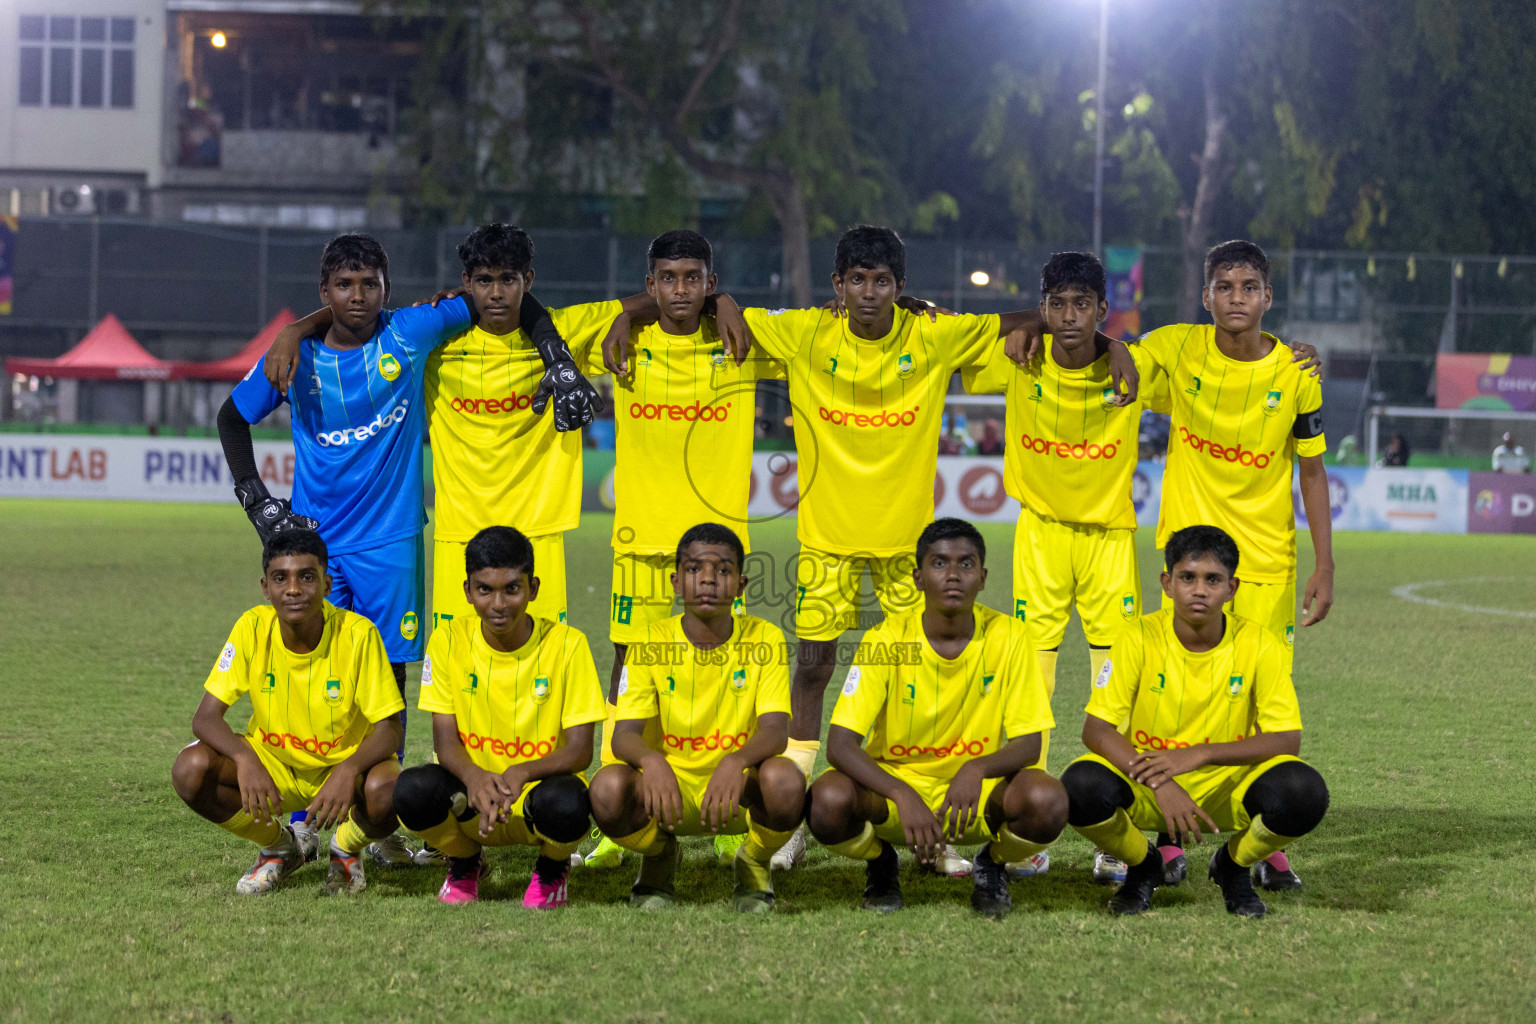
(7, 262)
(131, 468)
(1499, 382)
(1123, 266)
(1397, 499)
(1501, 503)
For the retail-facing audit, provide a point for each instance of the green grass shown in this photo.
(117, 903)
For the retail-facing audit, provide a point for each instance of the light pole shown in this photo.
(1098, 131)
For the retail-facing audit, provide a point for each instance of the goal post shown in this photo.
(1493, 422)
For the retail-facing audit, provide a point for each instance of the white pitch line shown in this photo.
(1409, 592)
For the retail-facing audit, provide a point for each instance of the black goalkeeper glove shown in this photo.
(576, 400)
(269, 515)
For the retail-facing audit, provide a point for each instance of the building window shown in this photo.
(67, 61)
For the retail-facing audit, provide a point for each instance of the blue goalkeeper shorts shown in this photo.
(387, 585)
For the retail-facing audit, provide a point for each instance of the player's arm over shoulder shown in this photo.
(783, 332)
(423, 328)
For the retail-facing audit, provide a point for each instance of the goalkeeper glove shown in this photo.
(576, 400)
(269, 515)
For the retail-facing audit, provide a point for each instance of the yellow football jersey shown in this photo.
(867, 417)
(707, 701)
(513, 706)
(494, 463)
(926, 715)
(685, 419)
(307, 710)
(1237, 428)
(1070, 453)
(1176, 698)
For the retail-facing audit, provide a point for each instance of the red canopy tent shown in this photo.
(236, 366)
(108, 352)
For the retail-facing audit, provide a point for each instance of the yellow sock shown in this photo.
(1047, 673)
(246, 827)
(647, 842)
(762, 843)
(349, 837)
(863, 846)
(606, 755)
(448, 837)
(803, 753)
(1117, 836)
(1255, 843)
(1008, 848)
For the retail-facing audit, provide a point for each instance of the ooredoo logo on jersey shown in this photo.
(383, 421)
(1227, 453)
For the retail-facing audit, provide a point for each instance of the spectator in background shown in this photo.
(991, 442)
(1396, 453)
(949, 444)
(1509, 457)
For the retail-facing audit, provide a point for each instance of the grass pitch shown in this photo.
(117, 903)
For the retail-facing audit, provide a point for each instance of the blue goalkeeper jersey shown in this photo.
(359, 421)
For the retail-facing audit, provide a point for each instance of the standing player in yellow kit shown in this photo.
(1069, 458)
(868, 397)
(494, 459)
(685, 418)
(1244, 413)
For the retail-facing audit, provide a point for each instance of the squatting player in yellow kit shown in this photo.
(717, 685)
(932, 737)
(868, 397)
(1070, 453)
(1212, 734)
(1244, 413)
(513, 699)
(324, 726)
(685, 419)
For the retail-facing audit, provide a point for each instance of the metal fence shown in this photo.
(192, 291)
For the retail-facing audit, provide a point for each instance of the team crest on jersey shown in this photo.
(333, 691)
(986, 685)
(831, 367)
(1194, 387)
(904, 365)
(408, 625)
(1272, 402)
(540, 689)
(1290, 636)
(389, 366)
(739, 681)
(1235, 686)
(1128, 606)
(227, 657)
(717, 356)
(1107, 397)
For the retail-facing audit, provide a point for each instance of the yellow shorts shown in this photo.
(1272, 605)
(932, 791)
(642, 595)
(449, 602)
(692, 786)
(515, 831)
(1056, 563)
(1218, 789)
(297, 786)
(828, 589)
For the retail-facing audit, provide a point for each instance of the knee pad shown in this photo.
(1291, 796)
(424, 795)
(1094, 793)
(559, 808)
